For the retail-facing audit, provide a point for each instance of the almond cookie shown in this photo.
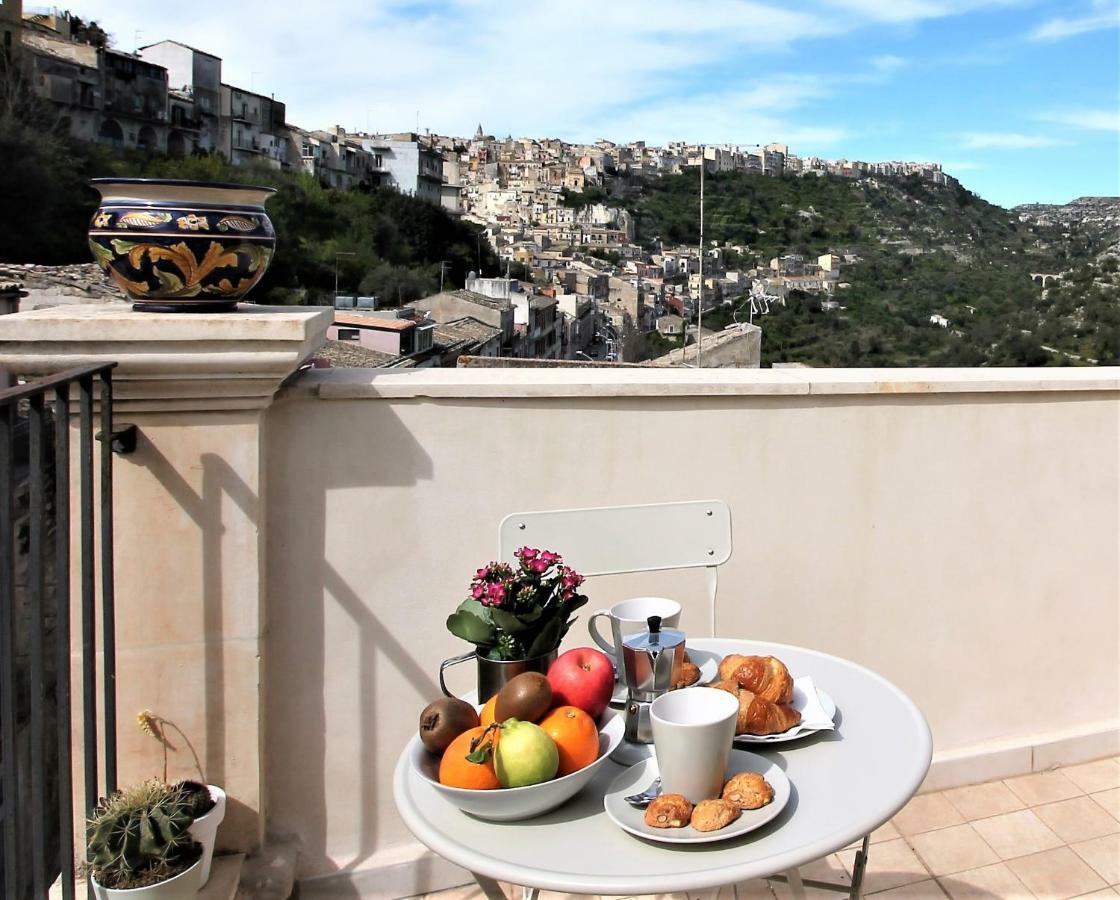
(712, 815)
(669, 811)
(748, 790)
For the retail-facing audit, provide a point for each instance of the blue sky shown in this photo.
(1018, 99)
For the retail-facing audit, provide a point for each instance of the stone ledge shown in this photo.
(596, 381)
(170, 361)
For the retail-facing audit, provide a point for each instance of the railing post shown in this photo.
(62, 637)
(9, 783)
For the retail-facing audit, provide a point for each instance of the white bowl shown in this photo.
(510, 804)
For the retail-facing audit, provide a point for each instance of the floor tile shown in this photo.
(829, 868)
(1016, 834)
(1077, 820)
(755, 889)
(1042, 787)
(1109, 893)
(890, 864)
(1101, 775)
(1109, 801)
(1056, 874)
(953, 849)
(979, 801)
(919, 890)
(885, 832)
(985, 883)
(926, 812)
(1103, 854)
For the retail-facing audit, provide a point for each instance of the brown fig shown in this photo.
(445, 719)
(527, 697)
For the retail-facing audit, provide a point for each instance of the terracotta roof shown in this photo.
(352, 355)
(377, 323)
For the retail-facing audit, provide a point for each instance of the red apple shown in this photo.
(582, 677)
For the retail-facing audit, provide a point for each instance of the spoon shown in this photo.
(647, 796)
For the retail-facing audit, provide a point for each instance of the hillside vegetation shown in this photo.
(394, 243)
(923, 250)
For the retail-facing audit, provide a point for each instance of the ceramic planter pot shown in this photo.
(184, 886)
(182, 246)
(494, 673)
(204, 829)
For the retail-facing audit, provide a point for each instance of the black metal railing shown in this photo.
(36, 776)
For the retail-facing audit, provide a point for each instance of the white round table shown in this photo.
(845, 783)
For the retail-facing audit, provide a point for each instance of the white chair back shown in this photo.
(612, 540)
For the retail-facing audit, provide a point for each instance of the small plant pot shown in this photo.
(204, 829)
(184, 886)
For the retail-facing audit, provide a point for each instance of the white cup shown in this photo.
(629, 617)
(692, 734)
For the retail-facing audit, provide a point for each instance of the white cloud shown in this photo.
(1090, 119)
(1005, 140)
(1062, 27)
(887, 63)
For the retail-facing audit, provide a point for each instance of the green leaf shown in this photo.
(508, 622)
(547, 639)
(122, 246)
(471, 622)
(169, 282)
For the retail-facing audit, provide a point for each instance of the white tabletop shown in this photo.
(845, 784)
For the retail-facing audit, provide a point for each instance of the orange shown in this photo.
(486, 717)
(576, 737)
(455, 770)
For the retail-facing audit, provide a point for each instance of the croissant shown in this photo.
(760, 716)
(729, 664)
(765, 676)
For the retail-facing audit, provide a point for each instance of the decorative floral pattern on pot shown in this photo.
(176, 245)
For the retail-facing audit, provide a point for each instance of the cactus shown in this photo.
(139, 836)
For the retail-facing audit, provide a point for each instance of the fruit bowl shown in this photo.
(511, 804)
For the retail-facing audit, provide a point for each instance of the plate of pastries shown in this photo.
(755, 791)
(773, 706)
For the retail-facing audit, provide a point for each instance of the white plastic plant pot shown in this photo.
(184, 886)
(204, 829)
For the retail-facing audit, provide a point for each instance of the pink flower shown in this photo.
(527, 553)
(477, 591)
(481, 574)
(548, 558)
(495, 594)
(539, 566)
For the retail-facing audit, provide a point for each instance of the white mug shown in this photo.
(629, 617)
(692, 734)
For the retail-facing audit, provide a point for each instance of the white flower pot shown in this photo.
(184, 886)
(204, 829)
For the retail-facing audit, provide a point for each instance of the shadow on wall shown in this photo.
(219, 481)
(364, 462)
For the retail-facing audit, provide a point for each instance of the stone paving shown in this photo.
(1051, 835)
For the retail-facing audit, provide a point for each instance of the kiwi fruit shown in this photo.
(443, 720)
(527, 697)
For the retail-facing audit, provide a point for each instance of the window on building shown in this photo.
(348, 334)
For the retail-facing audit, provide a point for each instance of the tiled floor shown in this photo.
(1050, 835)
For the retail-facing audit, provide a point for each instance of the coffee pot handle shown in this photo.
(448, 663)
(606, 645)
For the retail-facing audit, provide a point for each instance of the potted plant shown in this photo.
(516, 617)
(139, 845)
(207, 801)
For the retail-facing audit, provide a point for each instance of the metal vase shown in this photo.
(493, 674)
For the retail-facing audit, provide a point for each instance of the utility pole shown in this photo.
(700, 308)
(442, 266)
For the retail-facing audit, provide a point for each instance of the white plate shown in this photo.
(638, 777)
(709, 671)
(798, 731)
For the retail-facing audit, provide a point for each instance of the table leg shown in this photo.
(796, 888)
(490, 888)
(858, 868)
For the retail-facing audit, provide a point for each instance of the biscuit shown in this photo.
(712, 815)
(668, 811)
(748, 790)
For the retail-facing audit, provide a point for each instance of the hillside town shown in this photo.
(584, 287)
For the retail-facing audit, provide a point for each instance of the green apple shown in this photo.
(525, 755)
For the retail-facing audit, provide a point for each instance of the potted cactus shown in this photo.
(139, 845)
